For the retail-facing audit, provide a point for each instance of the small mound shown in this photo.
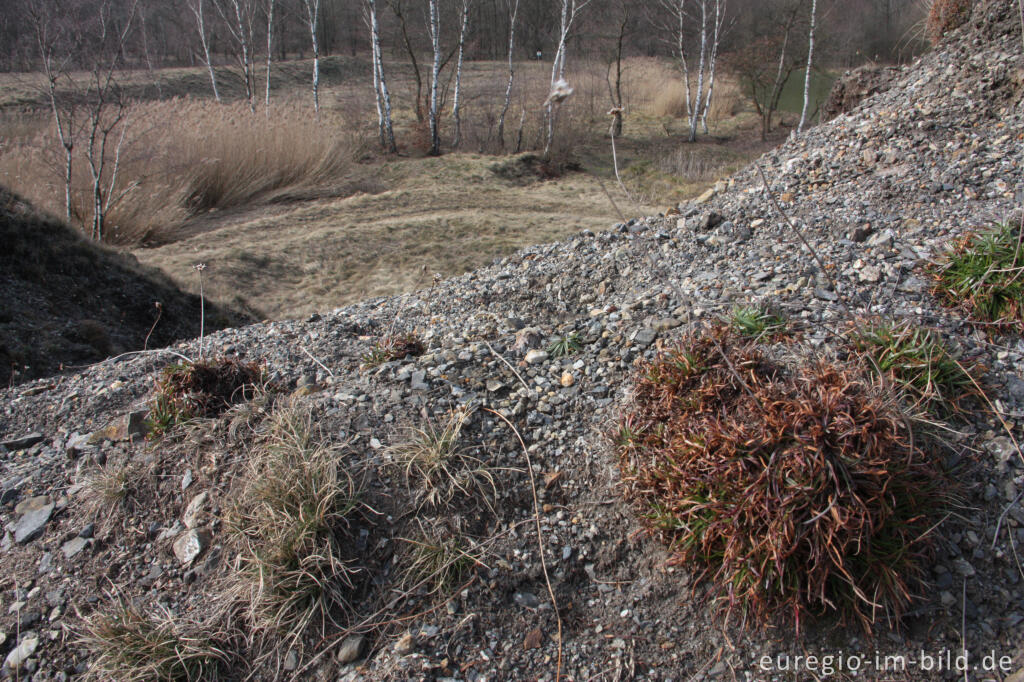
(67, 301)
(796, 486)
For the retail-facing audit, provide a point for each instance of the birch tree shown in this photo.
(807, 72)
(241, 29)
(270, 51)
(570, 11)
(106, 111)
(687, 17)
(380, 86)
(196, 7)
(435, 72)
(312, 21)
(511, 72)
(457, 100)
(49, 38)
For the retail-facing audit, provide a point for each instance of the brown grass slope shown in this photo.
(65, 301)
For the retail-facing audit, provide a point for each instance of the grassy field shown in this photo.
(293, 215)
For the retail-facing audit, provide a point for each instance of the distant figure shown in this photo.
(560, 92)
(540, 55)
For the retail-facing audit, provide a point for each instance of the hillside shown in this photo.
(520, 559)
(67, 302)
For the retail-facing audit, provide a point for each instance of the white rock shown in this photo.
(22, 652)
(535, 357)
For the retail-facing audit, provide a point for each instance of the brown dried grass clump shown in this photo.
(945, 16)
(205, 388)
(799, 489)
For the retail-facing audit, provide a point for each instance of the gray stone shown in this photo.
(963, 567)
(195, 509)
(73, 546)
(23, 442)
(31, 524)
(190, 545)
(351, 649)
(644, 337)
(417, 381)
(535, 357)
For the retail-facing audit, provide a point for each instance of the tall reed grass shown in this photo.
(182, 157)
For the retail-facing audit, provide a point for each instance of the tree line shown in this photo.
(81, 46)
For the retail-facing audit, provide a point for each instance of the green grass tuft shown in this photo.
(920, 362)
(755, 323)
(984, 275)
(570, 344)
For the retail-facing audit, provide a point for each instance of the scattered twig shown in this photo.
(540, 536)
(616, 114)
(608, 194)
(509, 364)
(159, 311)
(536, 514)
(814, 252)
(311, 357)
(199, 267)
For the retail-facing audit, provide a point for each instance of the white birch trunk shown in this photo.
(197, 10)
(716, 41)
(457, 100)
(389, 131)
(511, 74)
(570, 10)
(807, 73)
(312, 20)
(270, 51)
(699, 99)
(376, 95)
(435, 70)
(243, 41)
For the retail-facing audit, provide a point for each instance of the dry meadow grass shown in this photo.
(292, 215)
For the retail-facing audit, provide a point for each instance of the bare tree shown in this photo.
(312, 21)
(807, 72)
(270, 51)
(196, 6)
(381, 94)
(242, 29)
(435, 72)
(570, 11)
(719, 21)
(399, 11)
(511, 72)
(107, 106)
(694, 18)
(457, 100)
(51, 38)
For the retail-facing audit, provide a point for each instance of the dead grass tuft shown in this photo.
(131, 646)
(393, 347)
(292, 522)
(205, 388)
(437, 469)
(436, 560)
(799, 487)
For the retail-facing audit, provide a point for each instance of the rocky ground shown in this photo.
(878, 193)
